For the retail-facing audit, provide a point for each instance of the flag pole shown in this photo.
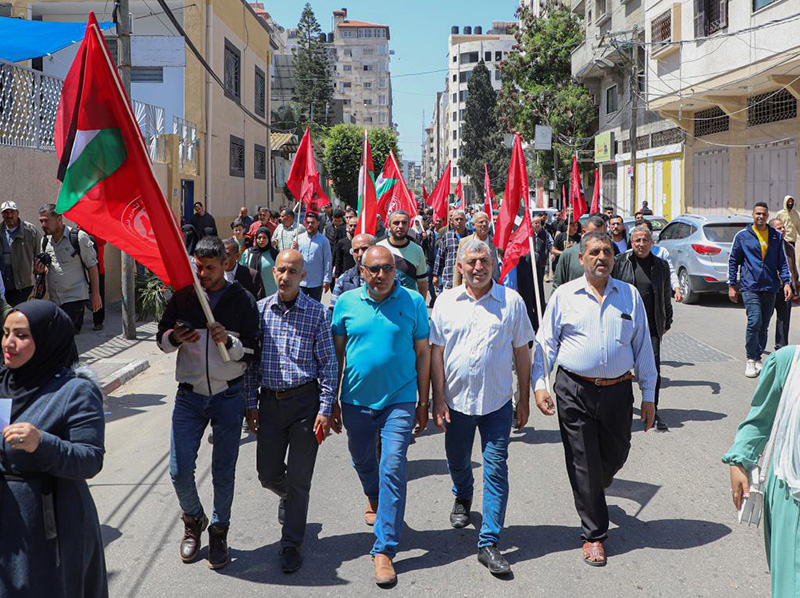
(201, 296)
(538, 299)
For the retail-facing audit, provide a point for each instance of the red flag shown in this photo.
(367, 199)
(564, 200)
(425, 196)
(303, 179)
(392, 191)
(596, 193)
(108, 186)
(576, 196)
(488, 203)
(516, 190)
(460, 195)
(438, 197)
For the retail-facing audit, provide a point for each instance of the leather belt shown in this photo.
(290, 392)
(190, 387)
(604, 381)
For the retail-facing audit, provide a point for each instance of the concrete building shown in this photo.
(604, 63)
(533, 5)
(362, 78)
(466, 48)
(728, 73)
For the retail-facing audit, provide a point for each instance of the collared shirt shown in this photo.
(66, 276)
(351, 279)
(478, 337)
(663, 253)
(283, 237)
(316, 253)
(594, 340)
(446, 259)
(381, 365)
(231, 276)
(296, 348)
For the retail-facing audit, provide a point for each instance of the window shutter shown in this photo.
(700, 18)
(723, 14)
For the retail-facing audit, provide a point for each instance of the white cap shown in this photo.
(8, 205)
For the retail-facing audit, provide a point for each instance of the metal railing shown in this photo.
(28, 104)
(187, 144)
(661, 29)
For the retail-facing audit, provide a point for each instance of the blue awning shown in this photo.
(24, 40)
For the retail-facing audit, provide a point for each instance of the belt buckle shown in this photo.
(280, 394)
(597, 382)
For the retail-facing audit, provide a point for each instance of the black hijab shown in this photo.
(54, 336)
(190, 237)
(256, 251)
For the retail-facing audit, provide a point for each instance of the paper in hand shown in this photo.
(5, 413)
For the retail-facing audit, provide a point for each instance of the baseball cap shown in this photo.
(8, 205)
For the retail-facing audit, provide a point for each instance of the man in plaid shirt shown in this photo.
(290, 392)
(445, 265)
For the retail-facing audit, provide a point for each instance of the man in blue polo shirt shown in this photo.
(380, 332)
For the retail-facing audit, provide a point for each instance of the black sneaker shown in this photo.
(291, 560)
(459, 516)
(218, 555)
(282, 511)
(490, 557)
(661, 425)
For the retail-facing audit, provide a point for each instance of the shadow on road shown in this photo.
(109, 534)
(533, 436)
(676, 418)
(669, 383)
(131, 404)
(422, 468)
(676, 364)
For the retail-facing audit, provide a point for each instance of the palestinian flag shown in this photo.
(392, 191)
(367, 200)
(108, 187)
(460, 205)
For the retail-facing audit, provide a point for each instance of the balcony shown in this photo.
(664, 30)
(602, 12)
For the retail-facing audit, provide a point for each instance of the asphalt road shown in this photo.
(674, 530)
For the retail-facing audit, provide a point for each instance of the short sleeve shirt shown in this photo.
(66, 276)
(410, 263)
(381, 364)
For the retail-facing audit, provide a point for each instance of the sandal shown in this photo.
(594, 554)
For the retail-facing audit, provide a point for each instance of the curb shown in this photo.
(123, 375)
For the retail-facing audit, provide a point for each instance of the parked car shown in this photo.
(657, 221)
(699, 247)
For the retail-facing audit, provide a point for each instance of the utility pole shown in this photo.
(634, 115)
(128, 266)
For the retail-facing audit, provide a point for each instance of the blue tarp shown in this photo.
(24, 40)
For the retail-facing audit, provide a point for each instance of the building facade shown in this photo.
(728, 73)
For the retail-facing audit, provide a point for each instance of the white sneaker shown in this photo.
(759, 366)
(750, 369)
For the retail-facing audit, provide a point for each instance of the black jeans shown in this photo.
(595, 423)
(313, 292)
(75, 311)
(288, 425)
(16, 296)
(656, 342)
(783, 317)
(99, 316)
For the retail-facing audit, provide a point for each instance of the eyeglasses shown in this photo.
(378, 267)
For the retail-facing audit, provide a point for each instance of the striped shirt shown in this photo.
(594, 340)
(478, 337)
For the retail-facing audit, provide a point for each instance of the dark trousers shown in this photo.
(656, 342)
(75, 311)
(783, 316)
(16, 296)
(431, 289)
(99, 316)
(314, 292)
(595, 425)
(288, 425)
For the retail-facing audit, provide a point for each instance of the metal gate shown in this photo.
(710, 187)
(771, 174)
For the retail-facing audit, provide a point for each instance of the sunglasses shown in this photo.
(378, 267)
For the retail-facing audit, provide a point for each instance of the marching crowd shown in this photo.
(375, 363)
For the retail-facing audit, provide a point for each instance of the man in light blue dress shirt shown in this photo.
(596, 328)
(316, 251)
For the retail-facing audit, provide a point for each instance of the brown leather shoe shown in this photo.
(594, 554)
(384, 571)
(369, 514)
(218, 555)
(193, 528)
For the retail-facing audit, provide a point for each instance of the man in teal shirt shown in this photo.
(380, 332)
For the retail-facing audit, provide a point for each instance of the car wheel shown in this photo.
(689, 296)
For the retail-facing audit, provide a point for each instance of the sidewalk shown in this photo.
(114, 359)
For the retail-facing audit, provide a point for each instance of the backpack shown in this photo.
(76, 248)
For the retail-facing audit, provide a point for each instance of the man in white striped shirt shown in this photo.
(596, 328)
(476, 330)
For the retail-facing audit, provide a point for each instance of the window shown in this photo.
(368, 102)
(455, 116)
(455, 98)
(462, 95)
(455, 77)
(455, 172)
(460, 115)
(348, 32)
(455, 135)
(237, 156)
(369, 67)
(233, 72)
(463, 77)
(348, 53)
(383, 50)
(346, 102)
(382, 117)
(469, 57)
(710, 121)
(498, 75)
(771, 107)
(487, 56)
(498, 56)
(368, 51)
(382, 83)
(346, 84)
(759, 4)
(147, 74)
(259, 161)
(710, 16)
(455, 57)
(367, 119)
(111, 40)
(260, 101)
(455, 153)
(347, 67)
(367, 84)
(611, 99)
(381, 100)
(383, 66)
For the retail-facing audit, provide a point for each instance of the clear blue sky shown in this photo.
(419, 30)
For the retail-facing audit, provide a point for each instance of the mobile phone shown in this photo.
(320, 434)
(184, 325)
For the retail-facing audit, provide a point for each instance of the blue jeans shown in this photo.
(190, 416)
(495, 429)
(759, 308)
(384, 481)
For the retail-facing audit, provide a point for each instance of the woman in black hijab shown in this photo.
(50, 535)
(261, 257)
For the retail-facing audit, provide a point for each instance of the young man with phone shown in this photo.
(210, 390)
(291, 391)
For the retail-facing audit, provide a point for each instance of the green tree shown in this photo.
(538, 88)
(313, 75)
(482, 137)
(342, 157)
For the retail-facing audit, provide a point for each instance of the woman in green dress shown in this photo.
(259, 257)
(781, 508)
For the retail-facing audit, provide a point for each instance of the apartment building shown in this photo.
(605, 64)
(362, 78)
(728, 74)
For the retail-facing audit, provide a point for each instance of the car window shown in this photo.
(658, 223)
(684, 230)
(669, 231)
(722, 233)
